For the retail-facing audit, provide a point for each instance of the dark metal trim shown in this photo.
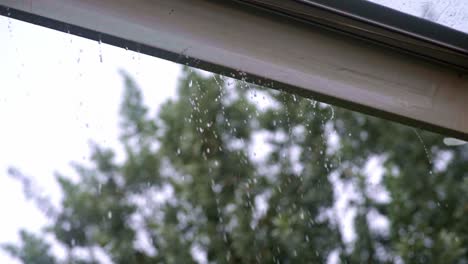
(372, 22)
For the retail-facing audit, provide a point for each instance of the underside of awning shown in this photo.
(350, 53)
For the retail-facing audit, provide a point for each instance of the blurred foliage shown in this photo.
(192, 183)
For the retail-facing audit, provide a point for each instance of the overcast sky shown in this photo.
(56, 95)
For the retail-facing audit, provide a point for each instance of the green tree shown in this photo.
(33, 250)
(192, 181)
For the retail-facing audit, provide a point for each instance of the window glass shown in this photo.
(450, 13)
(111, 156)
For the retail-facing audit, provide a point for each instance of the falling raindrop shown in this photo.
(109, 214)
(79, 56)
(69, 34)
(10, 29)
(138, 61)
(425, 149)
(100, 51)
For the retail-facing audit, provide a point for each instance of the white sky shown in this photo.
(51, 105)
(56, 95)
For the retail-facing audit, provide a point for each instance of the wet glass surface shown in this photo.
(450, 13)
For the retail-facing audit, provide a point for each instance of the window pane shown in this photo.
(451, 13)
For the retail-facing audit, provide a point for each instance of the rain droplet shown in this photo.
(425, 149)
(109, 214)
(332, 112)
(79, 56)
(9, 28)
(100, 51)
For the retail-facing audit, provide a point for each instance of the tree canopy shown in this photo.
(243, 174)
